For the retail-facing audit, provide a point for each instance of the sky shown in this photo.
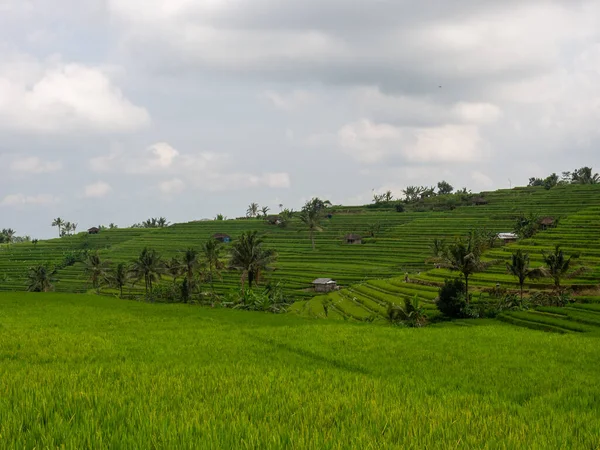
(121, 110)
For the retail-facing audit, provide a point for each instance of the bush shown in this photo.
(452, 300)
(412, 315)
(554, 298)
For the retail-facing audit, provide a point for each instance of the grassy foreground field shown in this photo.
(79, 371)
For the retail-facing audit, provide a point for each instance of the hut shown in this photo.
(93, 230)
(479, 201)
(324, 285)
(547, 222)
(353, 239)
(273, 220)
(222, 237)
(507, 238)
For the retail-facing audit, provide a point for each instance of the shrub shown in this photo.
(554, 298)
(412, 315)
(452, 300)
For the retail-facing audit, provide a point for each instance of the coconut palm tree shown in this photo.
(252, 210)
(519, 267)
(40, 278)
(249, 257)
(264, 211)
(173, 267)
(212, 260)
(464, 256)
(190, 264)
(558, 266)
(119, 277)
(311, 216)
(58, 222)
(96, 270)
(147, 266)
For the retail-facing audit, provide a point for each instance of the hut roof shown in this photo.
(353, 237)
(547, 221)
(94, 229)
(220, 236)
(507, 236)
(480, 200)
(323, 281)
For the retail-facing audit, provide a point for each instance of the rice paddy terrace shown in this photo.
(371, 274)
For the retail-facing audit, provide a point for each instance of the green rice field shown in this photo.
(86, 371)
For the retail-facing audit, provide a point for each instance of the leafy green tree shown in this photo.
(444, 188)
(174, 268)
(519, 268)
(374, 229)
(119, 277)
(585, 175)
(252, 210)
(149, 267)
(96, 270)
(451, 300)
(212, 260)
(265, 211)
(311, 216)
(40, 279)
(190, 262)
(8, 235)
(464, 256)
(58, 222)
(558, 266)
(250, 258)
(551, 181)
(438, 249)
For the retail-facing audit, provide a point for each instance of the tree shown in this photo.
(551, 181)
(438, 249)
(212, 260)
(311, 216)
(147, 266)
(464, 256)
(444, 188)
(58, 222)
(112, 226)
(249, 257)
(451, 299)
(119, 277)
(519, 267)
(220, 217)
(558, 266)
(40, 278)
(264, 211)
(585, 175)
(190, 264)
(252, 210)
(173, 268)
(9, 235)
(96, 270)
(374, 229)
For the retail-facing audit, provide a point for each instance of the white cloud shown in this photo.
(22, 199)
(174, 186)
(56, 97)
(33, 164)
(97, 190)
(372, 143)
(478, 112)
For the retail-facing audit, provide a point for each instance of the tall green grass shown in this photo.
(80, 371)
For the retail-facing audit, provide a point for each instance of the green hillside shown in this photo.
(372, 274)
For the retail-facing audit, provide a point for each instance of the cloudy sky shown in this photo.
(119, 110)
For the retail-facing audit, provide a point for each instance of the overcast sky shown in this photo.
(119, 110)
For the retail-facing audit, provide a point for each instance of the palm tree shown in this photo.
(147, 266)
(264, 211)
(252, 210)
(585, 175)
(66, 228)
(97, 270)
(311, 216)
(73, 227)
(58, 222)
(39, 279)
(211, 252)
(190, 264)
(162, 222)
(249, 257)
(519, 267)
(119, 277)
(173, 267)
(464, 256)
(558, 266)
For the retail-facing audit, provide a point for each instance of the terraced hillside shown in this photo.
(577, 233)
(401, 246)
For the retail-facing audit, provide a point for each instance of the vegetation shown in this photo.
(519, 268)
(250, 257)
